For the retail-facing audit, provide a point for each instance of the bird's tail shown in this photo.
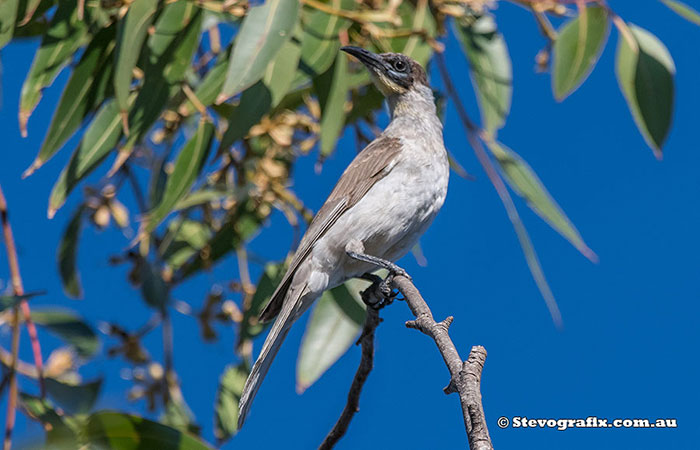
(289, 313)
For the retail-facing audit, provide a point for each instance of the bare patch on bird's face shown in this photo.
(398, 74)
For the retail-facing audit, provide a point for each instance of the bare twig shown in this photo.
(465, 376)
(18, 289)
(366, 363)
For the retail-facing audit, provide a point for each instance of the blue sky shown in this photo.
(629, 344)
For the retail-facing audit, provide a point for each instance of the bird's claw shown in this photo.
(380, 293)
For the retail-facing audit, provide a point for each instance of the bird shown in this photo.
(384, 201)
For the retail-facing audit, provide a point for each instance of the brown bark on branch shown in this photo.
(366, 363)
(465, 375)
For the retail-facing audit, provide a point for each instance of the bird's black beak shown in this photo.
(371, 60)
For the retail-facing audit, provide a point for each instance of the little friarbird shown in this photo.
(384, 201)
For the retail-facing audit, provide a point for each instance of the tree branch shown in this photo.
(18, 289)
(465, 376)
(366, 363)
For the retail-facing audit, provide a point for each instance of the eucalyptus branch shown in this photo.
(372, 321)
(18, 290)
(465, 375)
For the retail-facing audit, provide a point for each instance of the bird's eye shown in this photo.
(400, 66)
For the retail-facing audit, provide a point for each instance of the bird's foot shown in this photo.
(380, 293)
(393, 269)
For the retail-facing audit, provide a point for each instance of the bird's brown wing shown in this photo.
(369, 166)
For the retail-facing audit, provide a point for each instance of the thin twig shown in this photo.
(18, 289)
(372, 320)
(12, 398)
(465, 376)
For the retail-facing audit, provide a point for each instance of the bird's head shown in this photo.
(394, 74)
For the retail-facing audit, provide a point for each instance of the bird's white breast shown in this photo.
(395, 212)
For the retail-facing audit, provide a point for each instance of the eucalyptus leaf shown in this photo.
(527, 185)
(154, 290)
(8, 14)
(269, 279)
(113, 430)
(227, 398)
(59, 435)
(683, 10)
(333, 327)
(254, 104)
(98, 141)
(262, 34)
(70, 327)
(417, 47)
(319, 39)
(332, 91)
(85, 91)
(210, 86)
(645, 72)
(68, 255)
(490, 69)
(577, 49)
(188, 165)
(280, 72)
(133, 29)
(8, 301)
(63, 37)
(188, 238)
(167, 53)
(73, 398)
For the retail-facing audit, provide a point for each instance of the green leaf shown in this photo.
(179, 415)
(262, 34)
(527, 185)
(84, 92)
(58, 435)
(188, 165)
(280, 72)
(490, 69)
(240, 226)
(98, 141)
(333, 327)
(70, 327)
(68, 255)
(186, 238)
(227, 398)
(416, 19)
(113, 430)
(62, 39)
(154, 290)
(73, 398)
(683, 10)
(270, 278)
(319, 41)
(8, 301)
(332, 91)
(255, 103)
(8, 15)
(210, 85)
(133, 29)
(169, 52)
(645, 72)
(201, 197)
(577, 48)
